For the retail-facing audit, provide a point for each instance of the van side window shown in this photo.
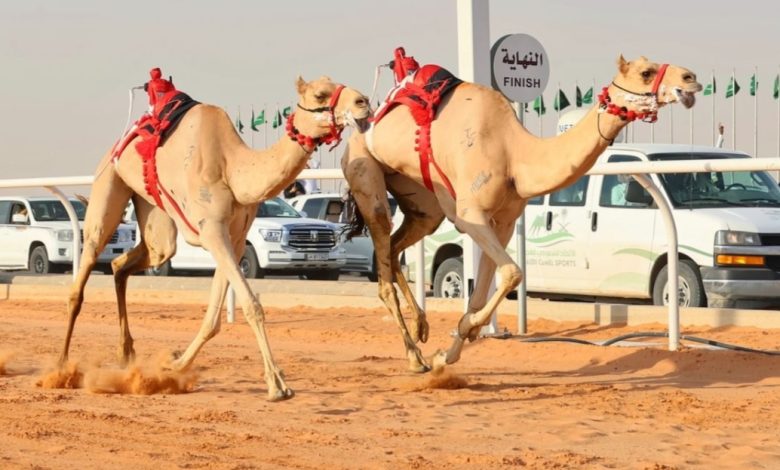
(536, 201)
(613, 187)
(573, 195)
(5, 212)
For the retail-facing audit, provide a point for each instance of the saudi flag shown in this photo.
(753, 85)
(776, 88)
(711, 88)
(538, 106)
(277, 120)
(561, 102)
(581, 99)
(239, 124)
(732, 88)
(287, 111)
(259, 120)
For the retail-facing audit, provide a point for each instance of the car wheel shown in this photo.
(161, 270)
(448, 281)
(39, 261)
(691, 290)
(248, 263)
(372, 275)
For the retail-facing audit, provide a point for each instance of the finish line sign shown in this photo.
(519, 67)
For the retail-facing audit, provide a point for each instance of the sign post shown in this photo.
(520, 70)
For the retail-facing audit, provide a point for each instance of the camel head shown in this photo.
(643, 87)
(330, 105)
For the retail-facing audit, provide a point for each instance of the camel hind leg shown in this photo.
(157, 234)
(108, 199)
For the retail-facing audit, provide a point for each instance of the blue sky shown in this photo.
(67, 65)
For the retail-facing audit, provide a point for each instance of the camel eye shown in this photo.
(320, 96)
(646, 74)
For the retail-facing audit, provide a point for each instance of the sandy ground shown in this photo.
(506, 404)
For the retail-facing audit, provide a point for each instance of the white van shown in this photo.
(587, 240)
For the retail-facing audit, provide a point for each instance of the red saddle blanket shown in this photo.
(422, 93)
(153, 128)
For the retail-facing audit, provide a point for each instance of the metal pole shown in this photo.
(755, 113)
(673, 318)
(419, 273)
(522, 304)
(712, 121)
(74, 225)
(734, 110)
(473, 66)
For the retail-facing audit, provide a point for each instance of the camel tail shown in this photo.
(357, 224)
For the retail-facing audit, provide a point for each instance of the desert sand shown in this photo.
(507, 403)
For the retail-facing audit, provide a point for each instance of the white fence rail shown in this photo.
(637, 169)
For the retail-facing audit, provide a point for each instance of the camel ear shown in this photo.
(622, 64)
(301, 85)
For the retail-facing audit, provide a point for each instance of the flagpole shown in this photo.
(755, 112)
(251, 125)
(280, 122)
(734, 110)
(712, 122)
(558, 111)
(265, 127)
(691, 121)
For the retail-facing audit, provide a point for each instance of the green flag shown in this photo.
(287, 111)
(711, 88)
(538, 106)
(277, 120)
(239, 124)
(732, 88)
(259, 120)
(753, 85)
(581, 99)
(561, 102)
(776, 88)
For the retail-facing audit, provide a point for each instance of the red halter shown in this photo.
(605, 102)
(313, 142)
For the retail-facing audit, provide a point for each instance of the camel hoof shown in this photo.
(281, 395)
(438, 361)
(419, 368)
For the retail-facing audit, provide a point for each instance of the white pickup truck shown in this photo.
(36, 234)
(279, 241)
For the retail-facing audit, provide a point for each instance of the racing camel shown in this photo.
(211, 184)
(479, 169)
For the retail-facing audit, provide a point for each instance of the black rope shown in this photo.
(650, 334)
(598, 128)
(648, 93)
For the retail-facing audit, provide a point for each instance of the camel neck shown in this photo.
(544, 165)
(256, 175)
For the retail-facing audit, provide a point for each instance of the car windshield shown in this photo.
(276, 207)
(718, 188)
(46, 211)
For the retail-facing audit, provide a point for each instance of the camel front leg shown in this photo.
(493, 246)
(368, 188)
(422, 215)
(210, 325)
(215, 239)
